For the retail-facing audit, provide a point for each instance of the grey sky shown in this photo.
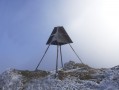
(25, 26)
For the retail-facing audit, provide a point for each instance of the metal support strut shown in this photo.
(61, 56)
(42, 57)
(76, 53)
(57, 59)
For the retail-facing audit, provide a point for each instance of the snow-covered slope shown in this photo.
(74, 76)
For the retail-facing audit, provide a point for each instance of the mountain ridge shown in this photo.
(74, 76)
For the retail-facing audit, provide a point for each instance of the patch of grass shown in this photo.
(34, 74)
(81, 75)
(78, 65)
(72, 65)
(85, 76)
(29, 75)
(62, 74)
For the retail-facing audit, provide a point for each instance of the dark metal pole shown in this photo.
(76, 53)
(57, 59)
(61, 56)
(42, 57)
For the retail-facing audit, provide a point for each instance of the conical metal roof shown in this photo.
(59, 37)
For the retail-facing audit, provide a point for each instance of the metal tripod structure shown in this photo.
(58, 37)
(58, 47)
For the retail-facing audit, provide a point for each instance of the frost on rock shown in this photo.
(11, 80)
(72, 65)
(73, 76)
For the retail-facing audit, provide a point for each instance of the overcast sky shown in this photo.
(25, 26)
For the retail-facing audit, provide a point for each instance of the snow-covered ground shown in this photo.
(73, 77)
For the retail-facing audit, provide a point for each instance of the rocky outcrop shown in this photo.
(74, 76)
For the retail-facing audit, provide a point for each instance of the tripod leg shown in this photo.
(42, 57)
(61, 56)
(76, 53)
(57, 59)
